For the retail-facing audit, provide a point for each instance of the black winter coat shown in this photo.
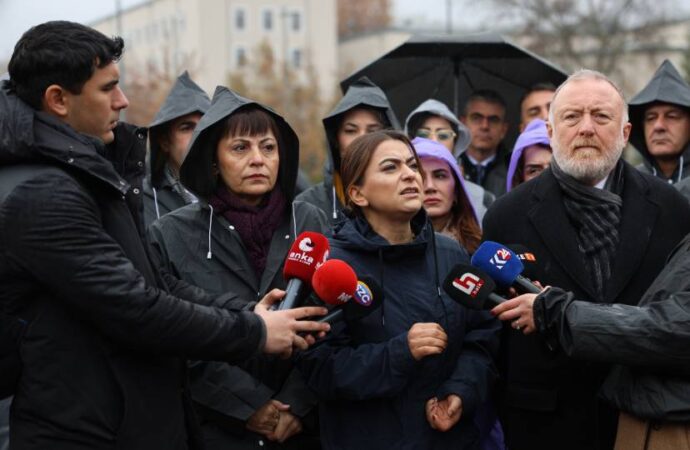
(547, 399)
(203, 249)
(99, 366)
(373, 392)
(649, 343)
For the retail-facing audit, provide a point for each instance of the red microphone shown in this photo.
(334, 282)
(308, 252)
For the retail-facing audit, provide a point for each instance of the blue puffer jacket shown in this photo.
(373, 392)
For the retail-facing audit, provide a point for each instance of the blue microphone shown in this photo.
(503, 266)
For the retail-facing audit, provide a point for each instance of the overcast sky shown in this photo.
(17, 16)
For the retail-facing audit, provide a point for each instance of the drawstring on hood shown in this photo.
(209, 255)
(155, 202)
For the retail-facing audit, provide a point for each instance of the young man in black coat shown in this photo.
(597, 227)
(99, 353)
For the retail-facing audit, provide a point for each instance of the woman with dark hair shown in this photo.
(445, 198)
(411, 374)
(242, 165)
(433, 120)
(363, 109)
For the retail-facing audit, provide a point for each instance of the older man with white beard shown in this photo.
(598, 228)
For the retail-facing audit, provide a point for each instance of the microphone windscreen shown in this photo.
(469, 286)
(528, 260)
(309, 251)
(334, 282)
(499, 263)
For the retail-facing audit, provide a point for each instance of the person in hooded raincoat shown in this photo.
(531, 154)
(242, 165)
(169, 136)
(411, 374)
(660, 118)
(432, 119)
(363, 109)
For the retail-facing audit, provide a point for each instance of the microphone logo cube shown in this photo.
(363, 294)
(501, 257)
(468, 283)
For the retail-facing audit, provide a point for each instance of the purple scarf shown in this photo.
(255, 224)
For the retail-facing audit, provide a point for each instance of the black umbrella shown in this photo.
(448, 68)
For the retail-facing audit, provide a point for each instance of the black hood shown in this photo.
(363, 92)
(185, 97)
(666, 86)
(28, 136)
(196, 173)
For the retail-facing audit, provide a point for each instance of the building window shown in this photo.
(295, 21)
(240, 57)
(296, 57)
(267, 19)
(240, 19)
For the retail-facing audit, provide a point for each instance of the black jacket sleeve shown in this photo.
(56, 237)
(654, 336)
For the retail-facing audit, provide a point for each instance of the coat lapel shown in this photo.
(280, 245)
(549, 219)
(236, 257)
(639, 215)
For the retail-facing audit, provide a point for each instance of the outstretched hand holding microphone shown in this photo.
(505, 268)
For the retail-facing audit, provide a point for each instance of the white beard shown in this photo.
(586, 165)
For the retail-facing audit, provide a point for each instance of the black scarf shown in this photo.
(596, 215)
(255, 224)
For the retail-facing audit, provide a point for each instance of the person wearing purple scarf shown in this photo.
(242, 165)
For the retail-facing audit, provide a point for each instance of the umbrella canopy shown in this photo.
(449, 68)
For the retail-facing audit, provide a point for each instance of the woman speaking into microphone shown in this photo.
(242, 165)
(411, 374)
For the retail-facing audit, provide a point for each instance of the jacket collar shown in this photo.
(549, 219)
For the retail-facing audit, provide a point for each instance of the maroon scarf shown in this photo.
(255, 224)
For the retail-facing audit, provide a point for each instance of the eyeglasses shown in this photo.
(441, 135)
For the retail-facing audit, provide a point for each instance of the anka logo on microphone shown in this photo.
(306, 246)
(501, 257)
(468, 283)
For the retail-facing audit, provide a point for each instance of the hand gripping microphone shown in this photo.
(503, 266)
(308, 252)
(471, 288)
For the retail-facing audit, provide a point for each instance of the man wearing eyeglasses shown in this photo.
(485, 160)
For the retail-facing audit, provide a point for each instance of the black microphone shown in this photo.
(528, 260)
(471, 288)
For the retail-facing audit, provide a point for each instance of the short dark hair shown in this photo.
(62, 53)
(485, 95)
(358, 156)
(537, 87)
